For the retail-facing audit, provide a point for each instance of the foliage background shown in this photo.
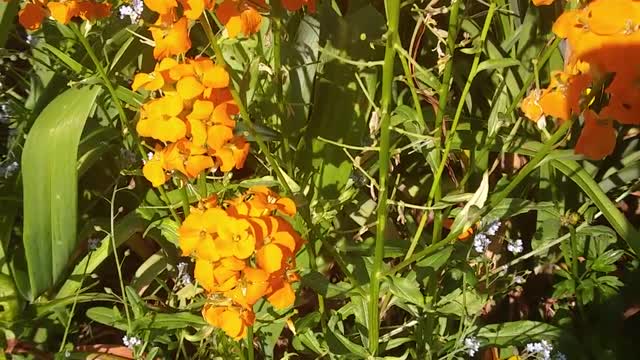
(320, 114)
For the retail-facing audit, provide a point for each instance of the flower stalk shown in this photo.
(393, 15)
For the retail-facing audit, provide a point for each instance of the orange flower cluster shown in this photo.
(34, 12)
(244, 251)
(192, 117)
(603, 38)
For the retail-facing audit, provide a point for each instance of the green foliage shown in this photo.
(393, 266)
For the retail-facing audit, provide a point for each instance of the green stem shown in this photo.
(250, 343)
(532, 164)
(393, 15)
(75, 302)
(112, 235)
(412, 89)
(202, 184)
(461, 103)
(244, 114)
(186, 206)
(112, 91)
(167, 201)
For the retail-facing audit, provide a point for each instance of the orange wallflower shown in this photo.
(295, 5)
(601, 37)
(31, 16)
(171, 38)
(224, 244)
(542, 2)
(239, 17)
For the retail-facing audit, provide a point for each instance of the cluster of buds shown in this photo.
(244, 250)
(597, 80)
(35, 11)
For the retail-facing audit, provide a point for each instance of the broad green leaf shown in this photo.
(518, 332)
(617, 220)
(8, 11)
(50, 187)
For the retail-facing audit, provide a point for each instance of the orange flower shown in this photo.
(251, 287)
(172, 38)
(63, 11)
(282, 296)
(233, 321)
(598, 137)
(159, 119)
(162, 7)
(236, 238)
(238, 17)
(540, 2)
(195, 233)
(31, 16)
(295, 5)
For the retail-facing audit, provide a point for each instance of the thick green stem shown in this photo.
(393, 15)
(244, 114)
(250, 355)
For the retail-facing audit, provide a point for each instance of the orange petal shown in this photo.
(148, 81)
(283, 297)
(154, 172)
(31, 16)
(287, 206)
(212, 314)
(197, 164)
(161, 6)
(63, 12)
(231, 322)
(245, 247)
(203, 272)
(171, 130)
(189, 88)
(206, 248)
(269, 258)
(218, 135)
(216, 77)
(597, 139)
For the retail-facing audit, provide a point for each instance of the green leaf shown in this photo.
(50, 187)
(123, 229)
(66, 59)
(617, 220)
(8, 11)
(605, 262)
(491, 64)
(406, 288)
(163, 321)
(517, 332)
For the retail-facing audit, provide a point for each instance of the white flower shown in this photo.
(131, 342)
(515, 247)
(9, 170)
(185, 279)
(493, 228)
(542, 349)
(481, 242)
(560, 356)
(472, 345)
(182, 266)
(519, 280)
(134, 11)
